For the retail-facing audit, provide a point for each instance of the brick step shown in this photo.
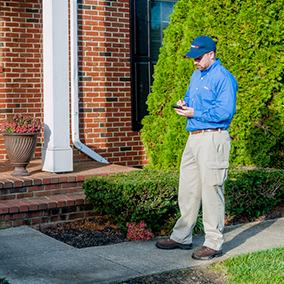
(16, 188)
(46, 210)
(45, 199)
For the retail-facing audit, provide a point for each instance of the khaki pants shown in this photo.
(203, 172)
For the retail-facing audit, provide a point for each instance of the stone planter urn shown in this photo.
(20, 148)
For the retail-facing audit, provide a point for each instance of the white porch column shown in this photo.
(57, 154)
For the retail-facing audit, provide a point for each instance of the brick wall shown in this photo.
(104, 75)
(21, 62)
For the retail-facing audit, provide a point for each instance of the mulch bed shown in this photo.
(99, 232)
(87, 233)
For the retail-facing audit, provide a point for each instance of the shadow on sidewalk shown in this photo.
(247, 236)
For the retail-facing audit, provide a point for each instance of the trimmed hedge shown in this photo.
(253, 192)
(249, 36)
(151, 195)
(145, 195)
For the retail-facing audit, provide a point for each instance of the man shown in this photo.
(209, 105)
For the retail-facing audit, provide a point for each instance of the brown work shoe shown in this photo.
(205, 253)
(171, 244)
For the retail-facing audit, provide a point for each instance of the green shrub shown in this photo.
(148, 195)
(253, 192)
(250, 42)
(151, 196)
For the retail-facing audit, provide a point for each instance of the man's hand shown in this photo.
(181, 103)
(186, 111)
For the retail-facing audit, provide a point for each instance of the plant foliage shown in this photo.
(152, 195)
(147, 195)
(249, 36)
(253, 192)
(21, 124)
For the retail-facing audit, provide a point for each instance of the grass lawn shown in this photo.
(256, 268)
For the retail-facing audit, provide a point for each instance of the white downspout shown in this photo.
(74, 87)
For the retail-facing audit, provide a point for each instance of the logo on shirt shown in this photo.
(207, 88)
(195, 46)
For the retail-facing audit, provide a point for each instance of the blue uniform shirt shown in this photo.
(212, 94)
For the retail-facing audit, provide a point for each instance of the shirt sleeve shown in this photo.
(186, 96)
(224, 106)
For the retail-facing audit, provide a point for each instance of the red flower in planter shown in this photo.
(21, 124)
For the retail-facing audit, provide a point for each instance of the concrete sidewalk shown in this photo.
(30, 257)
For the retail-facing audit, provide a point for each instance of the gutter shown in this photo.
(74, 87)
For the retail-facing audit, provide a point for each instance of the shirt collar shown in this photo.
(212, 66)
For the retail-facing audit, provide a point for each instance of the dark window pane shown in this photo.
(167, 9)
(156, 30)
(160, 18)
(156, 11)
(155, 50)
(164, 26)
(147, 25)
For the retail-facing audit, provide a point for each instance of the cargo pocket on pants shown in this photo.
(218, 171)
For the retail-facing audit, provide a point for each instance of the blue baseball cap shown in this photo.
(201, 45)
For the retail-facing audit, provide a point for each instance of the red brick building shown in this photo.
(114, 64)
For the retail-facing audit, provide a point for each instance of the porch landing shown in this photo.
(46, 199)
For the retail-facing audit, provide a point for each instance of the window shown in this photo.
(148, 20)
(160, 19)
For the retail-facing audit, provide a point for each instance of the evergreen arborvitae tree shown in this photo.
(249, 36)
